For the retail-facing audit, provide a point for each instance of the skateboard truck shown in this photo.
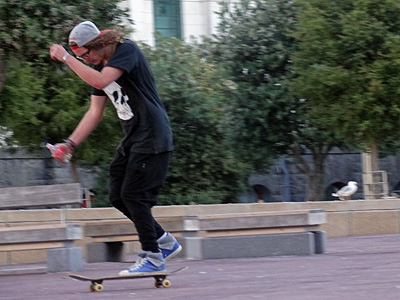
(160, 281)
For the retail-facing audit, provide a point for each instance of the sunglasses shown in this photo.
(85, 56)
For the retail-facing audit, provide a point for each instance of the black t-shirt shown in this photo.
(142, 114)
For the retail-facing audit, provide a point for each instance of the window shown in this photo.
(167, 17)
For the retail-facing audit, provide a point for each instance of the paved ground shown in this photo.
(366, 268)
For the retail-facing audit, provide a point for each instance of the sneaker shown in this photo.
(148, 264)
(169, 246)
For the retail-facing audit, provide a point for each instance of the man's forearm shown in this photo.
(85, 127)
(86, 73)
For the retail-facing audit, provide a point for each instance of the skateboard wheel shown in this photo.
(91, 288)
(166, 283)
(98, 287)
(158, 284)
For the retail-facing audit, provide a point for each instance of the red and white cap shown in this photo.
(83, 33)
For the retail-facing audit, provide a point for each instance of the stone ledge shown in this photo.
(249, 246)
(23, 270)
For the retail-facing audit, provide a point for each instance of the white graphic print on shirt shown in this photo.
(120, 100)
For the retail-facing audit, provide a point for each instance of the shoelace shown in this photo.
(141, 261)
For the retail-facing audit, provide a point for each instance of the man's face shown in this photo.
(86, 55)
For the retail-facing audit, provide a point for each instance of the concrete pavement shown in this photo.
(366, 268)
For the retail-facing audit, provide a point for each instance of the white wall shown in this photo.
(198, 18)
(141, 12)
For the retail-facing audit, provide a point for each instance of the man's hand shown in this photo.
(60, 151)
(57, 52)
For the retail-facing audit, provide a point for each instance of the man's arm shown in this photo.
(90, 119)
(96, 79)
(61, 151)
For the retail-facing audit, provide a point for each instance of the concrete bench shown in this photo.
(219, 236)
(254, 234)
(104, 239)
(57, 195)
(58, 239)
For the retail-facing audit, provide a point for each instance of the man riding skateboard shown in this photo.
(140, 165)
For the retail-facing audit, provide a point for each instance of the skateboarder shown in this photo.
(140, 165)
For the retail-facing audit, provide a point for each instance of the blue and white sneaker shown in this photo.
(169, 246)
(149, 263)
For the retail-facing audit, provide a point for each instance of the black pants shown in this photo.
(135, 181)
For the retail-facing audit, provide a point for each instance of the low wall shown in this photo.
(348, 218)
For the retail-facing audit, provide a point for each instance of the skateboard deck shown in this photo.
(97, 282)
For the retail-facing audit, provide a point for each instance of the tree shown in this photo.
(203, 168)
(348, 66)
(42, 100)
(47, 108)
(28, 28)
(254, 43)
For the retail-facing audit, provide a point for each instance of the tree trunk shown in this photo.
(314, 172)
(315, 187)
(316, 180)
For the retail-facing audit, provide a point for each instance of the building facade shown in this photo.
(178, 18)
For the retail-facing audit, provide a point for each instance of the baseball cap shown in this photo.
(83, 33)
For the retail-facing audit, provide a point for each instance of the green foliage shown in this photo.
(348, 67)
(40, 108)
(30, 27)
(22, 86)
(253, 45)
(43, 100)
(195, 92)
(101, 187)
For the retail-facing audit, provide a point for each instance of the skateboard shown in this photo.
(97, 282)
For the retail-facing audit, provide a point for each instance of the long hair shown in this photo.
(107, 37)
